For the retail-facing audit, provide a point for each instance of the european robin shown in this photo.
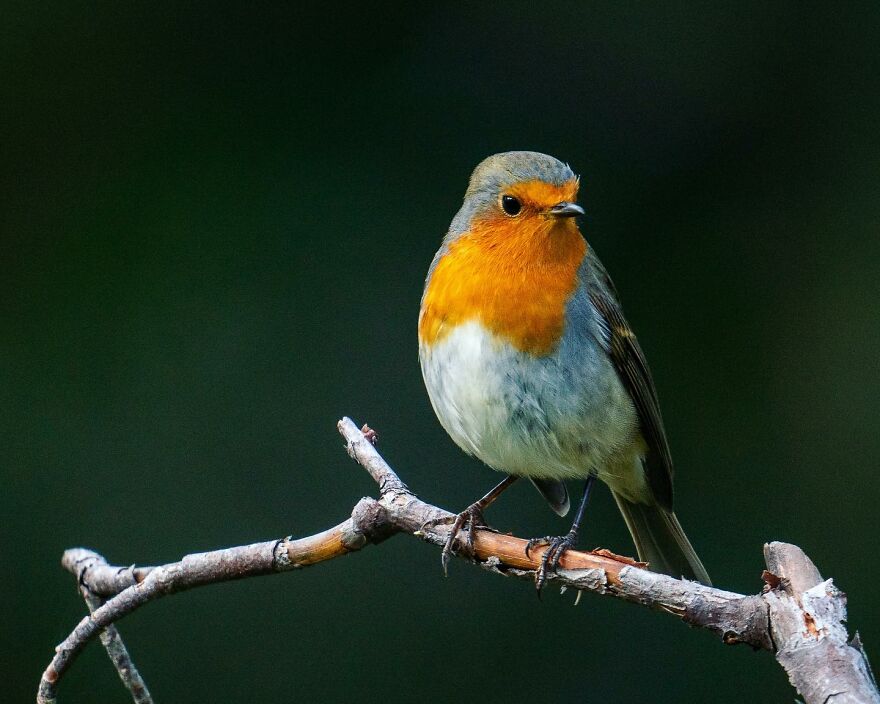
(531, 366)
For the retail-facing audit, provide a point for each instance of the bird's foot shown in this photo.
(556, 545)
(470, 519)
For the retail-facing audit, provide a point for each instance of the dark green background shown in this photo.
(215, 228)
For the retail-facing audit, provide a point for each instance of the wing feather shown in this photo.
(622, 346)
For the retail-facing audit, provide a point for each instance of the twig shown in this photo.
(759, 620)
(196, 570)
(110, 637)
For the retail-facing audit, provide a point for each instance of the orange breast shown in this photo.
(513, 276)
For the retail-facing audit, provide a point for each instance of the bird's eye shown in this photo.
(511, 205)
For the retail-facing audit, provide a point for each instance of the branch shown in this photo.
(81, 562)
(141, 585)
(807, 615)
(814, 651)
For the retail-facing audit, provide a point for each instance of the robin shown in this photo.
(531, 366)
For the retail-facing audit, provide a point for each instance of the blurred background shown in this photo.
(216, 224)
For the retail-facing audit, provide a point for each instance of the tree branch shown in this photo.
(813, 650)
(807, 615)
(82, 562)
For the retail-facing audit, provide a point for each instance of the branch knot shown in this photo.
(370, 523)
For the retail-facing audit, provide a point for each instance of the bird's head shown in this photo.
(519, 194)
(511, 256)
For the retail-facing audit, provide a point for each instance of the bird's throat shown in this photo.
(514, 277)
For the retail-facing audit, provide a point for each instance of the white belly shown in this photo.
(559, 416)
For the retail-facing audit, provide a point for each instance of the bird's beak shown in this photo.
(566, 210)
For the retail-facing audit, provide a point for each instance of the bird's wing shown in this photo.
(555, 492)
(629, 360)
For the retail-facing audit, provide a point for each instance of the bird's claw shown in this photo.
(470, 519)
(556, 546)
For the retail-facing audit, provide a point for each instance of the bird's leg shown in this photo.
(559, 544)
(472, 517)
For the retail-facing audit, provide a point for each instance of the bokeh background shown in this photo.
(215, 226)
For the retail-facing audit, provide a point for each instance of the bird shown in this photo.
(531, 366)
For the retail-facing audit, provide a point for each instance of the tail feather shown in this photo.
(660, 540)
